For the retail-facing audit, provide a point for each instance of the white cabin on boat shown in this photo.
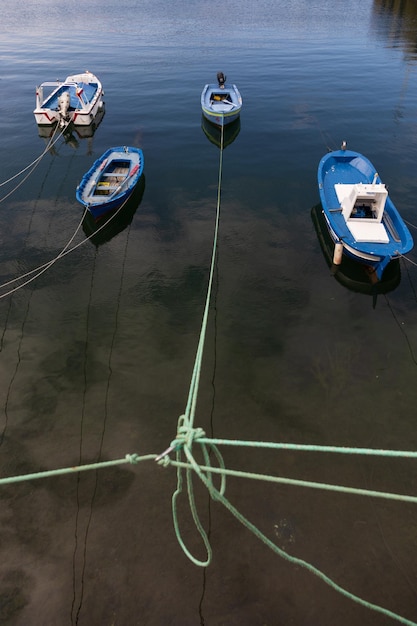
(363, 208)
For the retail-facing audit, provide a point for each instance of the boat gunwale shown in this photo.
(340, 231)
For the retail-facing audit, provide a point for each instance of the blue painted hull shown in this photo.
(110, 180)
(345, 167)
(221, 105)
(351, 274)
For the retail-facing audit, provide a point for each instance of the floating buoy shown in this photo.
(338, 252)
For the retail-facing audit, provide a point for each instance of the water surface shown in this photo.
(97, 353)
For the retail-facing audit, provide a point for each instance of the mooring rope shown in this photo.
(32, 166)
(193, 392)
(188, 436)
(184, 442)
(38, 271)
(410, 224)
(43, 268)
(406, 258)
(80, 534)
(218, 495)
(78, 599)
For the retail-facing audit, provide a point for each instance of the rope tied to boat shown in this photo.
(190, 439)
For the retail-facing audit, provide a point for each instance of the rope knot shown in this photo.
(186, 435)
(132, 458)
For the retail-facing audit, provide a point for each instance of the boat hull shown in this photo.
(351, 273)
(347, 169)
(110, 181)
(85, 93)
(221, 105)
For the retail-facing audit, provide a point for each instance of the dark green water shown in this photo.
(97, 353)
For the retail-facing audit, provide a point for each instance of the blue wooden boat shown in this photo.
(221, 103)
(110, 180)
(361, 217)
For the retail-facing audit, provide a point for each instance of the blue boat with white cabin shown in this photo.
(360, 215)
(110, 180)
(221, 103)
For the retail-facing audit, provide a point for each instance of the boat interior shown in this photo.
(84, 90)
(221, 98)
(111, 178)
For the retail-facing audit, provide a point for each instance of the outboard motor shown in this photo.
(221, 79)
(63, 106)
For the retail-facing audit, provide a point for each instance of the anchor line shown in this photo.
(38, 271)
(406, 258)
(412, 286)
(214, 308)
(76, 611)
(31, 167)
(20, 341)
(80, 543)
(324, 139)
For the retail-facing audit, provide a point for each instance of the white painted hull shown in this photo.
(86, 101)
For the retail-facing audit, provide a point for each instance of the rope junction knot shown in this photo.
(186, 434)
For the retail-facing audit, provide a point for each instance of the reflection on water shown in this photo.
(214, 133)
(71, 133)
(102, 231)
(97, 354)
(391, 20)
(349, 273)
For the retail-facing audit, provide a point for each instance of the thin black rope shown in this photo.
(77, 531)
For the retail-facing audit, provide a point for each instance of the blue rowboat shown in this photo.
(360, 215)
(110, 180)
(221, 103)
